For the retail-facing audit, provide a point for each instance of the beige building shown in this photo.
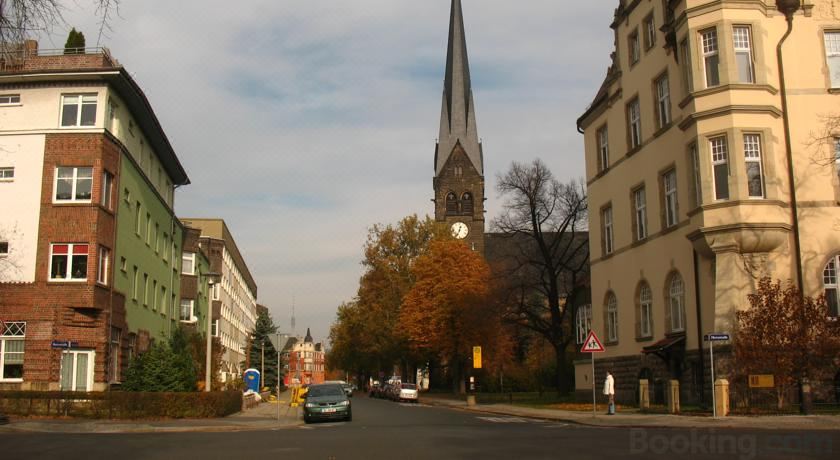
(687, 170)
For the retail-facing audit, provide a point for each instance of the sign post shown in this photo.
(592, 345)
(712, 338)
(476, 357)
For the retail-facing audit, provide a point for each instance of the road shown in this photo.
(383, 429)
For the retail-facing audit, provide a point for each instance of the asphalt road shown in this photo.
(386, 430)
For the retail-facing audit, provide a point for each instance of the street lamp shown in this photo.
(789, 8)
(213, 279)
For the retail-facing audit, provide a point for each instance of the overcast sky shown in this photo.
(304, 122)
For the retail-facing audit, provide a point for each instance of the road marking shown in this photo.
(503, 419)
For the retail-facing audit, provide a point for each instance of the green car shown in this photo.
(327, 402)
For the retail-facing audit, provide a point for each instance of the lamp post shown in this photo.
(208, 358)
(789, 8)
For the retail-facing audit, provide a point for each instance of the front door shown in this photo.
(77, 370)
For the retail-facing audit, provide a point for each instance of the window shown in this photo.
(148, 229)
(467, 203)
(634, 118)
(187, 306)
(214, 328)
(663, 101)
(695, 164)
(154, 295)
(68, 262)
(743, 53)
(832, 56)
(633, 43)
(136, 291)
(12, 337)
(103, 266)
(78, 110)
(112, 115)
(188, 263)
(650, 32)
(138, 219)
(73, 184)
(451, 204)
(755, 174)
(127, 196)
(607, 219)
(7, 174)
(669, 185)
(603, 149)
(114, 354)
(146, 289)
(645, 311)
(676, 301)
(583, 322)
(77, 370)
(4, 248)
(9, 99)
(640, 204)
(157, 239)
(721, 167)
(711, 57)
(107, 190)
(123, 264)
(612, 318)
(165, 246)
(217, 291)
(831, 287)
(687, 77)
(837, 154)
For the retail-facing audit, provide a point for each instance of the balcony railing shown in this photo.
(25, 58)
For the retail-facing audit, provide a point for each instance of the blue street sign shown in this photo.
(716, 337)
(64, 344)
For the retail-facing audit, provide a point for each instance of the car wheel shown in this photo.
(306, 419)
(349, 417)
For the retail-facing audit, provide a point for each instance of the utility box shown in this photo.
(722, 397)
(252, 380)
(674, 396)
(644, 394)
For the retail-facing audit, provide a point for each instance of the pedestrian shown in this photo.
(609, 392)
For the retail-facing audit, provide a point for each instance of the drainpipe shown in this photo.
(699, 325)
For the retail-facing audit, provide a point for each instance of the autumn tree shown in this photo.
(446, 311)
(20, 18)
(546, 266)
(785, 334)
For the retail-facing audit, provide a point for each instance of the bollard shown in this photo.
(644, 394)
(674, 396)
(722, 397)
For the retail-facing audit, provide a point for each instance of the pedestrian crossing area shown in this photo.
(520, 420)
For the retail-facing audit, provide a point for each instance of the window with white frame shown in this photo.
(695, 165)
(640, 204)
(720, 163)
(755, 173)
(77, 370)
(214, 328)
(583, 322)
(830, 285)
(676, 300)
(188, 263)
(187, 309)
(138, 219)
(4, 248)
(114, 354)
(612, 318)
(603, 149)
(148, 229)
(12, 346)
(68, 262)
(669, 186)
(650, 32)
(78, 110)
(832, 56)
(73, 184)
(103, 266)
(7, 174)
(634, 118)
(663, 101)
(607, 219)
(217, 291)
(711, 57)
(146, 289)
(633, 43)
(742, 41)
(645, 311)
(9, 99)
(107, 190)
(687, 77)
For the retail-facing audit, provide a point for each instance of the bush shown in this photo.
(166, 367)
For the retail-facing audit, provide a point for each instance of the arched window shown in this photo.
(831, 289)
(583, 322)
(645, 311)
(467, 203)
(676, 303)
(451, 204)
(612, 318)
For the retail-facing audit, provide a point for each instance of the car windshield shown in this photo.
(329, 390)
(409, 386)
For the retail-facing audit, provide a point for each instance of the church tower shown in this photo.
(459, 160)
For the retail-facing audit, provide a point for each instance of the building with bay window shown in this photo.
(90, 248)
(687, 172)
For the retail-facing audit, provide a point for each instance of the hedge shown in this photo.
(121, 405)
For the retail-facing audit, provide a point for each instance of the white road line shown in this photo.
(503, 419)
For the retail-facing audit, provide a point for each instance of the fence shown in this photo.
(756, 401)
(121, 405)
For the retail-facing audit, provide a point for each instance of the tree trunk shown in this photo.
(560, 369)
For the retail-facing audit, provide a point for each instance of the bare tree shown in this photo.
(20, 18)
(9, 265)
(546, 268)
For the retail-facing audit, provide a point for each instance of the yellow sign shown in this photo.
(476, 357)
(762, 381)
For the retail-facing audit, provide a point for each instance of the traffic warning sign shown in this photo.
(592, 344)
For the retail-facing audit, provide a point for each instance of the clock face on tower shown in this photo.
(460, 230)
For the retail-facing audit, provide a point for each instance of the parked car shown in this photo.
(344, 385)
(374, 390)
(406, 392)
(327, 402)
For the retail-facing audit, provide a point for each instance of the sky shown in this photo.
(302, 123)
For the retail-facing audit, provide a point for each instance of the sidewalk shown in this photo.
(260, 418)
(640, 420)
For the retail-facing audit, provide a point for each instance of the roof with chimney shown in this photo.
(457, 120)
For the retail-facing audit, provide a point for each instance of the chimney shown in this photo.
(30, 47)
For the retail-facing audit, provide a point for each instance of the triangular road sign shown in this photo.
(592, 344)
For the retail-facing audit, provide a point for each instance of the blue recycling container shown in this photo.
(252, 380)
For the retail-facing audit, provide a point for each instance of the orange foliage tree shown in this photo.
(447, 311)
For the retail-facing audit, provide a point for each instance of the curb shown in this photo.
(11, 428)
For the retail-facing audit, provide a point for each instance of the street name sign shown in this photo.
(592, 344)
(762, 381)
(716, 337)
(476, 357)
(64, 344)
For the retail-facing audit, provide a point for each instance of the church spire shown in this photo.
(458, 124)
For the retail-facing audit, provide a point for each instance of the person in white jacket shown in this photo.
(609, 392)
